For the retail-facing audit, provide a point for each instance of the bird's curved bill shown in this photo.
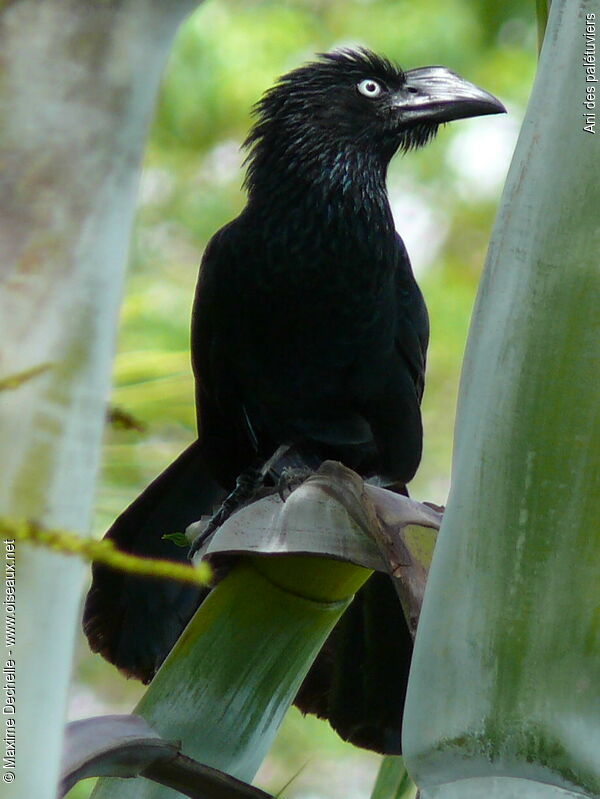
(436, 94)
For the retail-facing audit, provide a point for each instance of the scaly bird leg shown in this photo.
(246, 486)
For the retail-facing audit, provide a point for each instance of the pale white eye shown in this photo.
(369, 88)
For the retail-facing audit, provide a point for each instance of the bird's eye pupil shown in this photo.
(369, 88)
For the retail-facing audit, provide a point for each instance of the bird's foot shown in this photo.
(290, 479)
(246, 486)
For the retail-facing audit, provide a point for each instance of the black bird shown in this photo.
(308, 330)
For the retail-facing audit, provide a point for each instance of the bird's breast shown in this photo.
(320, 329)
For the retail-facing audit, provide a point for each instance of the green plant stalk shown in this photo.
(393, 781)
(105, 552)
(504, 684)
(224, 689)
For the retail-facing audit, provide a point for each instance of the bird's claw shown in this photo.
(290, 479)
(211, 527)
(245, 488)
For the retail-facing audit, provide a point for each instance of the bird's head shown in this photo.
(356, 101)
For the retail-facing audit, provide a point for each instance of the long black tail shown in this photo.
(358, 682)
(134, 621)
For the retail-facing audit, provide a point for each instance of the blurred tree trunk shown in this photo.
(77, 86)
(503, 699)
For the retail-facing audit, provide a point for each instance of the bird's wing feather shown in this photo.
(223, 425)
(412, 321)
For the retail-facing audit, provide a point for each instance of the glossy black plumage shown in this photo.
(308, 329)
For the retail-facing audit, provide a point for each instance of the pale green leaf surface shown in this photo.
(507, 662)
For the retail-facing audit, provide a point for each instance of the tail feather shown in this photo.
(134, 621)
(359, 679)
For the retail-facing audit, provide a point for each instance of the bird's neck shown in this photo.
(337, 185)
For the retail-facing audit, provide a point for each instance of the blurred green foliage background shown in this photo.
(443, 198)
